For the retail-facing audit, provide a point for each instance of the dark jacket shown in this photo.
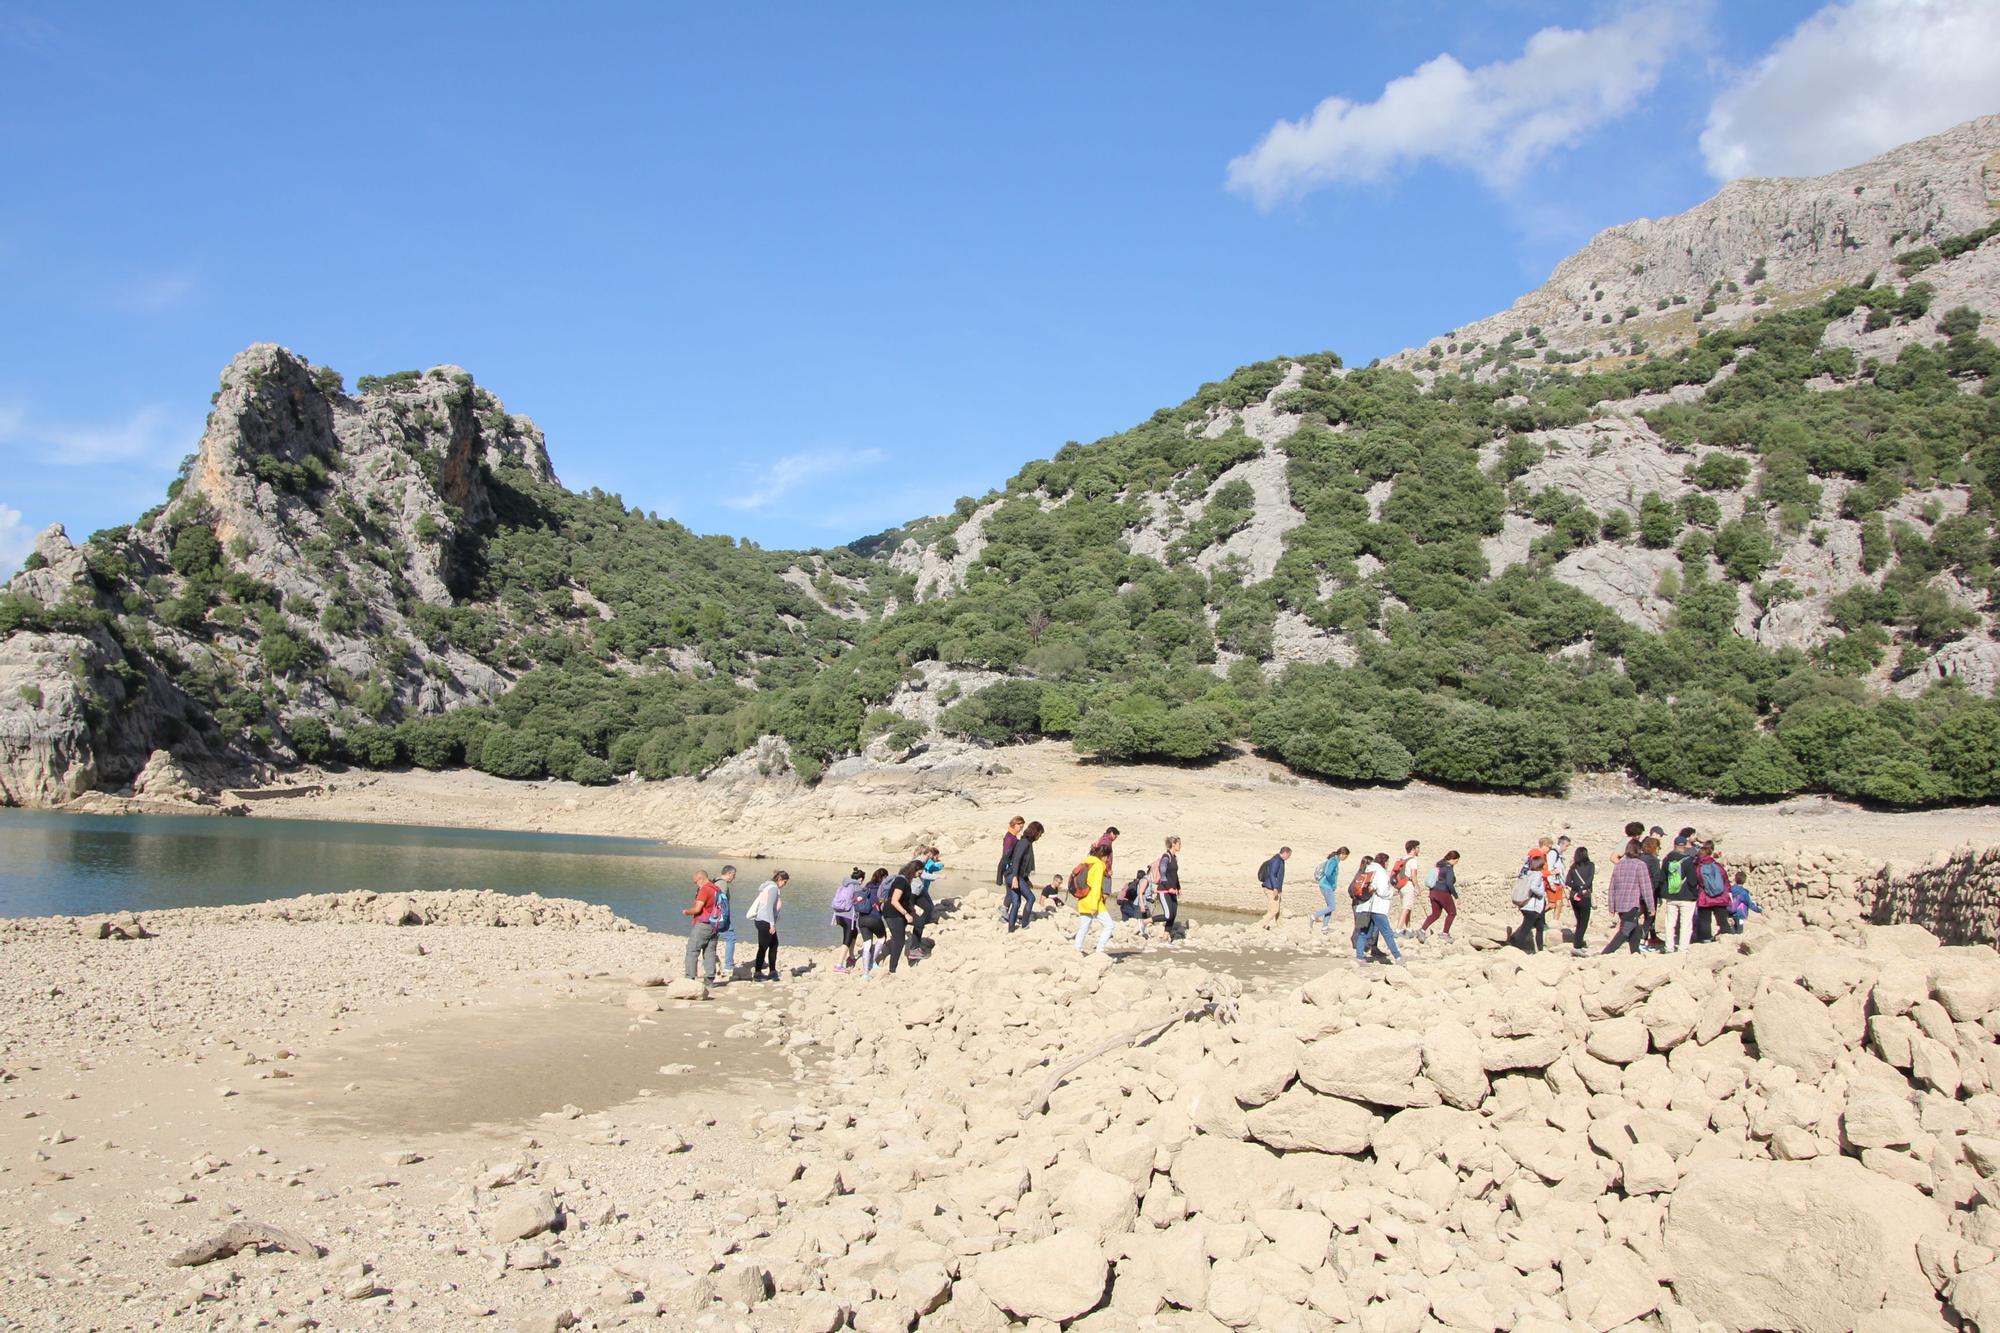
(1447, 881)
(1021, 864)
(1170, 874)
(1686, 892)
(1580, 881)
(1272, 874)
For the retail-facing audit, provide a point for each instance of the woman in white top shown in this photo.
(1381, 902)
(764, 911)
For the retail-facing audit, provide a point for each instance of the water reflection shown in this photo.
(72, 865)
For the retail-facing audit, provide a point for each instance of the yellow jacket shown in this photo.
(1093, 876)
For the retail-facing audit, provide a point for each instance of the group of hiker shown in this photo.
(1664, 901)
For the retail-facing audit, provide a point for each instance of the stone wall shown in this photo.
(1957, 899)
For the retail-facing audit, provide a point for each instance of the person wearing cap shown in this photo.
(1676, 886)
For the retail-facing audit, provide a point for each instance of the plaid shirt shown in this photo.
(1631, 885)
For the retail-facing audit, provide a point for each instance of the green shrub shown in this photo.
(372, 747)
(1009, 710)
(310, 738)
(508, 753)
(1718, 471)
(591, 771)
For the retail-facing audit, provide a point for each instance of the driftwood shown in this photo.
(240, 1236)
(1136, 1037)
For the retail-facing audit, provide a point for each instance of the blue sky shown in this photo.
(801, 272)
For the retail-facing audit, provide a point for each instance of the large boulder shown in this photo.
(1614, 1287)
(1302, 1119)
(1452, 1063)
(1369, 1064)
(1791, 1028)
(1059, 1277)
(1802, 1247)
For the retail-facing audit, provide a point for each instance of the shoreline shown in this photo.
(1231, 815)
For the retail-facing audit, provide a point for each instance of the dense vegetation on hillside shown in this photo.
(642, 647)
(1463, 680)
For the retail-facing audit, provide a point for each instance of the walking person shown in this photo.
(899, 912)
(1019, 877)
(1167, 881)
(1711, 893)
(726, 936)
(1271, 876)
(868, 908)
(1677, 894)
(1379, 930)
(1577, 886)
(1360, 892)
(1007, 842)
(844, 916)
(923, 908)
(1090, 904)
(1403, 875)
(704, 925)
(1631, 899)
(1329, 888)
(764, 909)
(1442, 884)
(1531, 895)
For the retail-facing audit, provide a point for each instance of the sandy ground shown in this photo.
(1231, 815)
(332, 1081)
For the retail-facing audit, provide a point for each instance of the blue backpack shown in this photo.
(867, 900)
(1712, 882)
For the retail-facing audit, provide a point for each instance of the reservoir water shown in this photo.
(54, 864)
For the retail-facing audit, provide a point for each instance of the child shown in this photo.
(1741, 904)
(1052, 893)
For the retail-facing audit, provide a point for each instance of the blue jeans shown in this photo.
(1377, 928)
(728, 938)
(1326, 891)
(1020, 910)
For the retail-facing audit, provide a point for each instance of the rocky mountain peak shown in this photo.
(1761, 243)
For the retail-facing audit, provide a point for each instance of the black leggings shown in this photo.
(920, 909)
(1170, 911)
(1631, 931)
(1528, 935)
(897, 926)
(767, 950)
(1580, 914)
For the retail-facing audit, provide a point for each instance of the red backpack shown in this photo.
(1079, 881)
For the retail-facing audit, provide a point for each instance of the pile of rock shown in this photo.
(442, 907)
(1793, 1130)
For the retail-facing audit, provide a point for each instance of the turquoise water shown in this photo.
(54, 864)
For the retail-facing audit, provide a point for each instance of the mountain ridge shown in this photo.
(1498, 577)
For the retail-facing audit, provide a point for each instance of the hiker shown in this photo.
(1135, 900)
(727, 933)
(1403, 876)
(1381, 901)
(1558, 868)
(1711, 893)
(1441, 882)
(1329, 888)
(1271, 875)
(1086, 883)
(764, 909)
(922, 908)
(1676, 890)
(1167, 883)
(1052, 894)
(868, 909)
(1360, 890)
(1741, 904)
(844, 916)
(1649, 854)
(899, 910)
(1631, 898)
(1019, 876)
(704, 926)
(1531, 895)
(1634, 830)
(1577, 884)
(1013, 836)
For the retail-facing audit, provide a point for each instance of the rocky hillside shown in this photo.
(333, 565)
(1658, 283)
(1757, 563)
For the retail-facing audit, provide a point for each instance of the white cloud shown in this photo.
(15, 541)
(1496, 120)
(785, 475)
(1854, 80)
(143, 436)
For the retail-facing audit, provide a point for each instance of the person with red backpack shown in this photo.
(1403, 878)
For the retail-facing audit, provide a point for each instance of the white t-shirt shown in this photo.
(1558, 864)
(1382, 890)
